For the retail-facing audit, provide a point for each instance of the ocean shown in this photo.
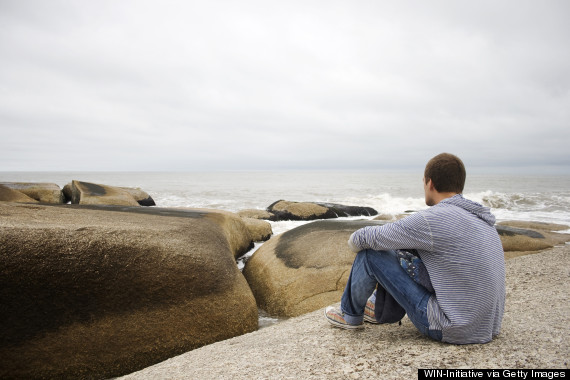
(544, 198)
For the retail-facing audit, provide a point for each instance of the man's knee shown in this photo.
(362, 256)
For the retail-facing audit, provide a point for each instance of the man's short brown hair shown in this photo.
(447, 173)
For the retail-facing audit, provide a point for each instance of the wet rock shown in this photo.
(67, 193)
(303, 269)
(286, 210)
(92, 292)
(41, 192)
(142, 197)
(512, 231)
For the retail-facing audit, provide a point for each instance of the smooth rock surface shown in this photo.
(259, 230)
(86, 193)
(519, 237)
(97, 292)
(287, 210)
(142, 197)
(236, 230)
(303, 269)
(42, 192)
(255, 214)
(10, 195)
(534, 335)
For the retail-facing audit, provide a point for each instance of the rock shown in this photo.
(142, 197)
(390, 217)
(303, 269)
(286, 210)
(236, 230)
(67, 192)
(87, 193)
(10, 195)
(519, 237)
(255, 214)
(91, 292)
(512, 231)
(540, 226)
(42, 192)
(259, 230)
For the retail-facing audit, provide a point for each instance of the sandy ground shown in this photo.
(535, 334)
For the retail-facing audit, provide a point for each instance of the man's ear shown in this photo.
(430, 185)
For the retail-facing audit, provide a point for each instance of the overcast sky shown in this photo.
(198, 85)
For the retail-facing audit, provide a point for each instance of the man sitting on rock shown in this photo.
(456, 241)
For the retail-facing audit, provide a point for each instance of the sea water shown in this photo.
(542, 198)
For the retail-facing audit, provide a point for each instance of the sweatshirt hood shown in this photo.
(475, 208)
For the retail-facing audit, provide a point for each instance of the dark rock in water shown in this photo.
(527, 236)
(93, 292)
(286, 210)
(41, 192)
(344, 211)
(303, 269)
(142, 197)
(67, 192)
(512, 231)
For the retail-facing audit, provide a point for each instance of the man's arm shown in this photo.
(412, 232)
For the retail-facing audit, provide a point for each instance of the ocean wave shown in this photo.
(386, 203)
(522, 202)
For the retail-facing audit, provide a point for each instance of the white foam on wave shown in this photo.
(385, 203)
(529, 207)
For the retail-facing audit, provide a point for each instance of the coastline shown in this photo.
(533, 336)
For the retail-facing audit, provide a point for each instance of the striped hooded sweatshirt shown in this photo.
(461, 250)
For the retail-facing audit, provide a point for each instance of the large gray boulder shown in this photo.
(97, 292)
(287, 210)
(255, 214)
(141, 196)
(86, 193)
(41, 192)
(523, 237)
(259, 230)
(303, 269)
(10, 195)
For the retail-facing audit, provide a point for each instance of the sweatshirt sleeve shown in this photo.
(412, 232)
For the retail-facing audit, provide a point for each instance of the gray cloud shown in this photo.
(174, 85)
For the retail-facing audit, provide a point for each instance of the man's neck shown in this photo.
(438, 197)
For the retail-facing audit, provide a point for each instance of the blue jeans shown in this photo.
(382, 267)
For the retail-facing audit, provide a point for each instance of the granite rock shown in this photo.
(41, 192)
(97, 292)
(303, 269)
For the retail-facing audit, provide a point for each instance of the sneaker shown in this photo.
(369, 315)
(335, 318)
